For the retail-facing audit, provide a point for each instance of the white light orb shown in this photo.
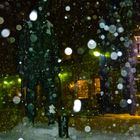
(114, 56)
(91, 44)
(102, 37)
(119, 53)
(77, 105)
(127, 64)
(16, 100)
(106, 28)
(88, 18)
(59, 60)
(65, 17)
(18, 27)
(87, 129)
(133, 70)
(116, 34)
(124, 73)
(135, 50)
(116, 92)
(120, 29)
(118, 20)
(129, 101)
(20, 62)
(120, 86)
(114, 125)
(101, 24)
(5, 33)
(112, 29)
(101, 93)
(33, 15)
(20, 139)
(121, 38)
(67, 8)
(68, 51)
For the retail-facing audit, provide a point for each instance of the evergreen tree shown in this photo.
(38, 61)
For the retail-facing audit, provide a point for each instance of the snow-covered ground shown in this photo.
(24, 131)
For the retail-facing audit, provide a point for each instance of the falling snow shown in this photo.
(61, 46)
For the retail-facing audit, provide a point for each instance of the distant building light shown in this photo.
(77, 105)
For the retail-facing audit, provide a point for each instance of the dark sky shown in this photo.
(80, 25)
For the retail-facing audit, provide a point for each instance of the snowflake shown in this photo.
(52, 109)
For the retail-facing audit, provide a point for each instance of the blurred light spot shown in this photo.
(16, 100)
(102, 93)
(102, 37)
(127, 64)
(102, 25)
(114, 56)
(116, 92)
(121, 38)
(112, 28)
(124, 73)
(20, 139)
(133, 70)
(5, 82)
(1, 20)
(96, 53)
(20, 62)
(106, 28)
(120, 86)
(68, 51)
(129, 101)
(77, 105)
(88, 18)
(5, 33)
(19, 80)
(67, 8)
(65, 17)
(33, 15)
(114, 125)
(19, 27)
(11, 40)
(59, 60)
(119, 53)
(120, 29)
(87, 128)
(91, 44)
(116, 34)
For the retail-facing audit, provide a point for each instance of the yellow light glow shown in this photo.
(96, 53)
(19, 80)
(63, 75)
(5, 82)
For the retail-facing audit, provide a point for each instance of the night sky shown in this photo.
(73, 27)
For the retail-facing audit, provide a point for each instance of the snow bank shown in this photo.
(25, 131)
